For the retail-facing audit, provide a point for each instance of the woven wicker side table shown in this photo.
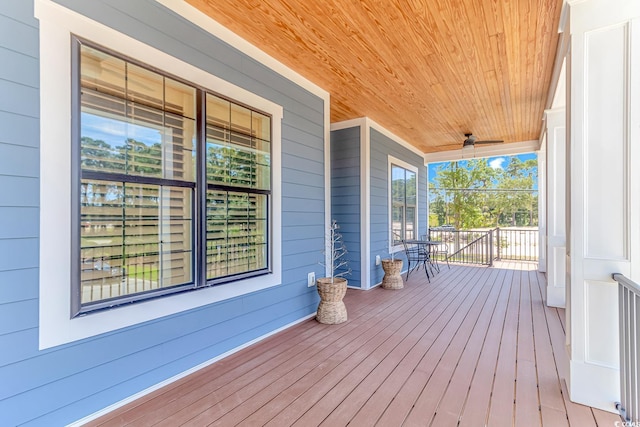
(392, 278)
(331, 309)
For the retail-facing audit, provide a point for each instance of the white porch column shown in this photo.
(556, 193)
(603, 157)
(542, 205)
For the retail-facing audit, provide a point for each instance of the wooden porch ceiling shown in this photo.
(476, 346)
(427, 70)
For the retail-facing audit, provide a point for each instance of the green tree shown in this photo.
(471, 194)
(465, 205)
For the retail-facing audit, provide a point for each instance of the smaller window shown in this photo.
(403, 201)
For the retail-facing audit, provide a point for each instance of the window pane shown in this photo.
(134, 238)
(216, 234)
(397, 222)
(145, 87)
(179, 145)
(218, 160)
(411, 188)
(261, 126)
(234, 157)
(218, 112)
(102, 73)
(262, 173)
(180, 99)
(101, 266)
(397, 184)
(410, 227)
(102, 146)
(125, 125)
(237, 231)
(403, 201)
(241, 161)
(240, 119)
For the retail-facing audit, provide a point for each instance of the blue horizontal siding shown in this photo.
(381, 148)
(19, 11)
(296, 177)
(19, 130)
(292, 204)
(304, 231)
(18, 160)
(302, 191)
(302, 164)
(18, 254)
(16, 191)
(19, 68)
(17, 98)
(345, 195)
(17, 316)
(302, 136)
(17, 35)
(24, 345)
(18, 222)
(63, 384)
(295, 149)
(303, 218)
(18, 285)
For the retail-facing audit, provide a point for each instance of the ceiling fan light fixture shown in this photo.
(471, 140)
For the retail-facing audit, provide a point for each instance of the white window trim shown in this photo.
(57, 24)
(397, 162)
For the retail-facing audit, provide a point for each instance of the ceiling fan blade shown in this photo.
(490, 141)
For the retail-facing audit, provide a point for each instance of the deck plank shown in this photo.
(476, 346)
(552, 407)
(503, 392)
(476, 406)
(327, 403)
(361, 359)
(240, 367)
(527, 399)
(450, 339)
(478, 371)
(449, 405)
(381, 397)
(457, 362)
(311, 396)
(606, 419)
(372, 379)
(342, 340)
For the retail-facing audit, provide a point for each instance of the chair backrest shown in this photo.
(412, 252)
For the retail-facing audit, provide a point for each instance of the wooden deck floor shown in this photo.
(474, 347)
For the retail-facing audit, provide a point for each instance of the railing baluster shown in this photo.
(628, 305)
(483, 247)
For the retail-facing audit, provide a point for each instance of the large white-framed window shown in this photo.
(403, 203)
(190, 222)
(141, 139)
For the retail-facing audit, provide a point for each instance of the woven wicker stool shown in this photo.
(392, 278)
(331, 309)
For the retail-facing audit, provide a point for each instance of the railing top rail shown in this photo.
(621, 278)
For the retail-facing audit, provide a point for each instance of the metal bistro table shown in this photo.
(419, 252)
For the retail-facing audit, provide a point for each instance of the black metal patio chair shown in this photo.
(416, 256)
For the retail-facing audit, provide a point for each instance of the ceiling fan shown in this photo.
(471, 140)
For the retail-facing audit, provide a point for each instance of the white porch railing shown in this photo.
(629, 312)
